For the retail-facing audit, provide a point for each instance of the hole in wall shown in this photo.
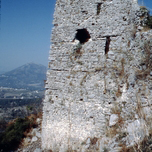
(124, 18)
(94, 140)
(84, 12)
(98, 8)
(82, 35)
(55, 24)
(107, 44)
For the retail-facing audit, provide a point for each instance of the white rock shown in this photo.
(27, 141)
(137, 131)
(34, 139)
(33, 132)
(147, 111)
(88, 143)
(91, 96)
(38, 134)
(37, 150)
(113, 119)
(25, 150)
(38, 120)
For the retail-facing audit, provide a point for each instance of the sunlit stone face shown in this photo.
(135, 1)
(91, 78)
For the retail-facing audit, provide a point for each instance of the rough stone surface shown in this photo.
(89, 82)
(137, 131)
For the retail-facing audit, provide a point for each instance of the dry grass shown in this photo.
(122, 66)
(105, 84)
(113, 131)
(12, 137)
(116, 109)
(71, 84)
(143, 7)
(146, 28)
(77, 51)
(142, 74)
(80, 62)
(118, 93)
(93, 140)
(146, 144)
(133, 32)
(68, 76)
(98, 69)
(139, 109)
(147, 50)
(116, 129)
(83, 79)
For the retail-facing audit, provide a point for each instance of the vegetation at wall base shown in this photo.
(11, 138)
(149, 22)
(146, 13)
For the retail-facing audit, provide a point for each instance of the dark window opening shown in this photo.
(124, 18)
(82, 35)
(98, 8)
(107, 44)
(55, 24)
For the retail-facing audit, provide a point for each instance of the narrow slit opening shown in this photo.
(98, 8)
(107, 44)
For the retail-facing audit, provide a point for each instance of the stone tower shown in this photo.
(91, 86)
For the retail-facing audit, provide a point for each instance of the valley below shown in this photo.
(11, 109)
(21, 95)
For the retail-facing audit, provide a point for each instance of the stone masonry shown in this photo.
(99, 84)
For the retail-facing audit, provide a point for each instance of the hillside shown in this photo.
(20, 118)
(29, 76)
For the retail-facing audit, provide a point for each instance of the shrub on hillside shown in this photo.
(149, 22)
(14, 133)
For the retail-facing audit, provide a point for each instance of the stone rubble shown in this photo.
(32, 143)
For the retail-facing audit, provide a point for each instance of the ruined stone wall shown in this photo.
(93, 89)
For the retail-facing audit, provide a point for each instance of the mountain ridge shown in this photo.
(28, 76)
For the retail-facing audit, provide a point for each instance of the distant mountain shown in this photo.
(29, 76)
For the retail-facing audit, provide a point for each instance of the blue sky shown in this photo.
(25, 31)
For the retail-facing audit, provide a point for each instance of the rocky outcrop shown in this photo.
(32, 141)
(98, 88)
